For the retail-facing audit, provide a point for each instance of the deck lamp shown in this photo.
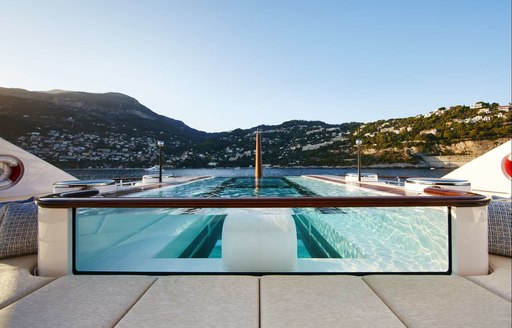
(160, 145)
(359, 142)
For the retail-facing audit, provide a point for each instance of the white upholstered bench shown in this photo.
(267, 301)
(17, 280)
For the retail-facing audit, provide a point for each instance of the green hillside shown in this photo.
(77, 129)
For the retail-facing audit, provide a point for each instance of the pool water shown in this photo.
(328, 239)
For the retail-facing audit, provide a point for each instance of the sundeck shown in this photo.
(227, 259)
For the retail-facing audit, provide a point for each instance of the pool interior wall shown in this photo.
(328, 239)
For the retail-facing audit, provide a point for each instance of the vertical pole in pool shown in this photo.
(160, 145)
(359, 142)
(257, 170)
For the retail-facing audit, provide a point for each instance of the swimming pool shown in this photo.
(328, 239)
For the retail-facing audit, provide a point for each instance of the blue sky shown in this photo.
(218, 65)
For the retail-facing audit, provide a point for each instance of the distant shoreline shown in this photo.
(404, 166)
(393, 173)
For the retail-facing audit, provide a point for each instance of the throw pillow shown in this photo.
(500, 228)
(3, 205)
(18, 230)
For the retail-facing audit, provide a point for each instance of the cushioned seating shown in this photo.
(499, 282)
(322, 301)
(16, 279)
(77, 301)
(197, 301)
(27, 262)
(16, 284)
(499, 279)
(276, 301)
(441, 301)
(18, 237)
(503, 262)
(500, 250)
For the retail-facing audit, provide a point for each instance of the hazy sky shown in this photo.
(218, 65)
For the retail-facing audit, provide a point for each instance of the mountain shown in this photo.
(23, 110)
(78, 129)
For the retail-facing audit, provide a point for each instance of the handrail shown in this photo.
(264, 202)
(128, 179)
(438, 191)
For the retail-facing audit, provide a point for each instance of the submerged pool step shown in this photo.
(316, 245)
(203, 244)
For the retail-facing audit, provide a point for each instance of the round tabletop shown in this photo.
(83, 183)
(439, 181)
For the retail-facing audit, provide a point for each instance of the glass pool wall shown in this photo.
(328, 239)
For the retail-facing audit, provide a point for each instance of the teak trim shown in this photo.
(264, 202)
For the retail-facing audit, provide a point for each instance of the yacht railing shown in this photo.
(466, 200)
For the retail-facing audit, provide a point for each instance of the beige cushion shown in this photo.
(497, 261)
(16, 279)
(441, 301)
(15, 284)
(27, 262)
(321, 301)
(197, 301)
(499, 282)
(77, 301)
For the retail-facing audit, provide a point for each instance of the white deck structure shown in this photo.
(490, 173)
(37, 177)
(469, 298)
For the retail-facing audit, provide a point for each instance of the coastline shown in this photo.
(394, 172)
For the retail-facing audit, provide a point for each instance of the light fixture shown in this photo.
(160, 145)
(359, 142)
